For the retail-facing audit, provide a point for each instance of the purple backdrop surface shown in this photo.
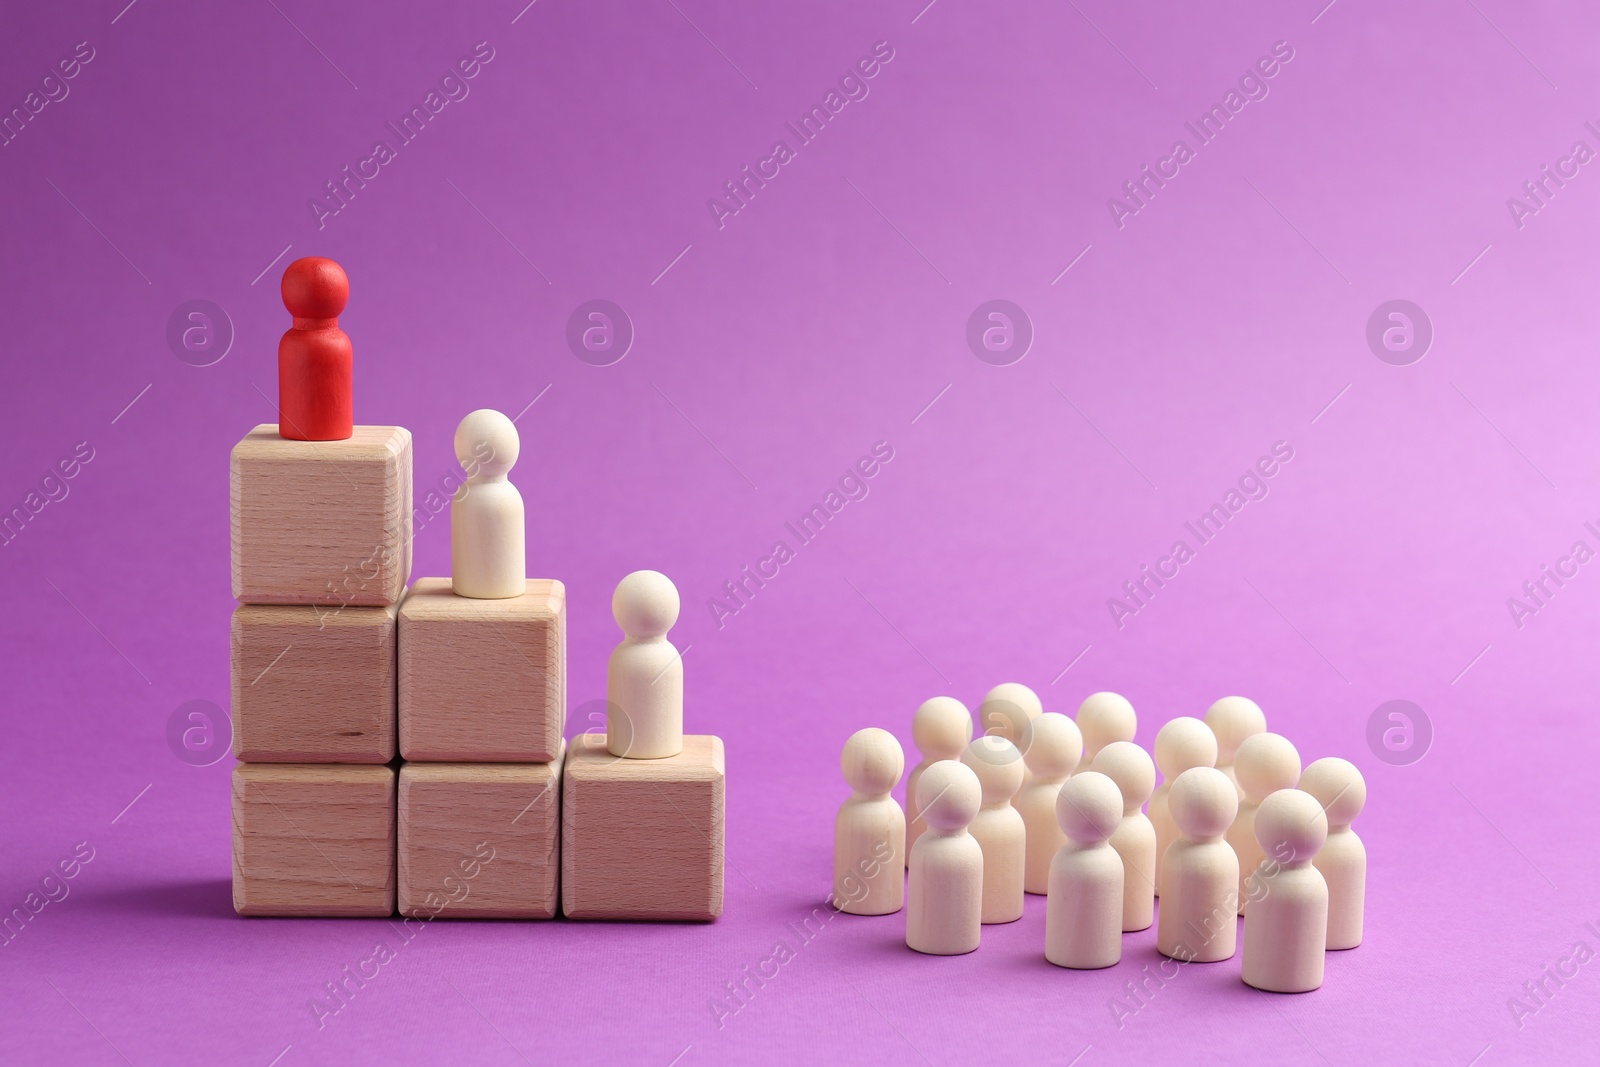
(1177, 335)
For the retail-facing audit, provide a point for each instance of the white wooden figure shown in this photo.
(1007, 709)
(1083, 914)
(1266, 763)
(1199, 884)
(998, 826)
(1183, 743)
(1233, 719)
(1102, 719)
(1128, 765)
(1342, 792)
(644, 680)
(869, 834)
(944, 890)
(941, 729)
(488, 543)
(1052, 749)
(1286, 926)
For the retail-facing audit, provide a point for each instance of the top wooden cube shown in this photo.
(322, 522)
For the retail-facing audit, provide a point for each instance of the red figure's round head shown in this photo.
(315, 288)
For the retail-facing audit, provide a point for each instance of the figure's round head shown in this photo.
(1338, 787)
(1266, 763)
(1183, 743)
(941, 728)
(998, 765)
(1007, 709)
(645, 604)
(1130, 767)
(1089, 807)
(1052, 745)
(1104, 718)
(1203, 802)
(872, 761)
(487, 443)
(1232, 719)
(948, 795)
(315, 288)
(1290, 826)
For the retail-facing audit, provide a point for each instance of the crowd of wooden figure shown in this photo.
(1070, 810)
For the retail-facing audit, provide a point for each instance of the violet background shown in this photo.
(824, 317)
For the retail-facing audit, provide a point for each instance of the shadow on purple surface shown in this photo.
(210, 898)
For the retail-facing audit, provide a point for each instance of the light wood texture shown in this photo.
(1128, 765)
(1232, 719)
(643, 839)
(313, 684)
(488, 539)
(1181, 744)
(998, 827)
(480, 840)
(644, 677)
(1199, 883)
(1083, 912)
(1103, 718)
(1265, 763)
(944, 891)
(313, 839)
(1053, 746)
(941, 729)
(1342, 792)
(321, 522)
(483, 681)
(1286, 924)
(869, 833)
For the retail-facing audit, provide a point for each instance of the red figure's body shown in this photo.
(314, 356)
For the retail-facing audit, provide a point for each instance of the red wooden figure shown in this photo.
(314, 356)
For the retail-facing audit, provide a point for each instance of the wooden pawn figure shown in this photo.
(1007, 709)
(1052, 749)
(1199, 883)
(1102, 719)
(1183, 743)
(944, 890)
(1266, 763)
(1342, 792)
(998, 827)
(644, 679)
(869, 834)
(315, 358)
(1286, 927)
(488, 543)
(1083, 913)
(1128, 765)
(1232, 719)
(941, 729)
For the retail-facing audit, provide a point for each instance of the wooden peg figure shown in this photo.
(1200, 872)
(644, 680)
(1102, 719)
(488, 542)
(1007, 709)
(1266, 763)
(1128, 765)
(1286, 926)
(998, 826)
(1342, 792)
(1053, 746)
(941, 728)
(315, 361)
(1232, 719)
(1183, 743)
(944, 890)
(869, 834)
(1083, 914)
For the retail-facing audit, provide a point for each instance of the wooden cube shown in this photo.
(642, 838)
(480, 840)
(322, 522)
(313, 684)
(483, 681)
(313, 839)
